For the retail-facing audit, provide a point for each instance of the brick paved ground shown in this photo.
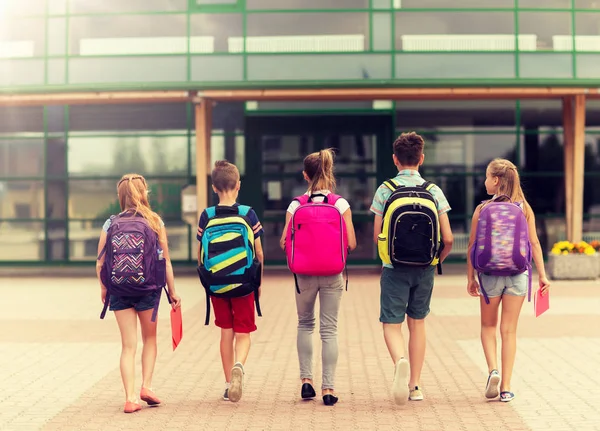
(59, 364)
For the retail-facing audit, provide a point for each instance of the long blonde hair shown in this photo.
(132, 190)
(509, 182)
(319, 170)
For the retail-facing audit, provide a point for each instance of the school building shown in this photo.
(90, 90)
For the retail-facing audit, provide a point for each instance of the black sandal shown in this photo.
(308, 391)
(329, 399)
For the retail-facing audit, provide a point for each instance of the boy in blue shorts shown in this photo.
(407, 289)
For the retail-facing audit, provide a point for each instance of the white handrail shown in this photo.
(468, 42)
(312, 43)
(17, 48)
(582, 43)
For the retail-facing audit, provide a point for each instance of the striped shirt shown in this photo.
(408, 177)
(254, 222)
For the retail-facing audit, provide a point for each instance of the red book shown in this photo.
(176, 327)
(541, 303)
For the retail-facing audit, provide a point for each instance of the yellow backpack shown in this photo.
(410, 234)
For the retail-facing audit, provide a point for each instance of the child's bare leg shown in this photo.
(227, 352)
(242, 348)
(489, 325)
(511, 308)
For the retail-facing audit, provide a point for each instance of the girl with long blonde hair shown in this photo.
(503, 183)
(132, 191)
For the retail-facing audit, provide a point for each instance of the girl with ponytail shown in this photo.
(132, 192)
(502, 182)
(318, 173)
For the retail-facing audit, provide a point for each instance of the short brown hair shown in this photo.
(408, 148)
(225, 176)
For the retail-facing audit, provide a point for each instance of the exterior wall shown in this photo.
(75, 44)
(59, 165)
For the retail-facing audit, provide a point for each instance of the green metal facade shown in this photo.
(59, 164)
(78, 44)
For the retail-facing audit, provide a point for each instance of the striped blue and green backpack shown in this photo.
(228, 264)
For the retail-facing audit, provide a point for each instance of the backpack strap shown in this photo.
(211, 212)
(485, 296)
(303, 199)
(106, 301)
(332, 198)
(427, 185)
(391, 184)
(243, 210)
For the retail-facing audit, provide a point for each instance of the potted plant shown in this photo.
(573, 261)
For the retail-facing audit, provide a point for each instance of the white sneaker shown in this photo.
(492, 389)
(400, 385)
(237, 383)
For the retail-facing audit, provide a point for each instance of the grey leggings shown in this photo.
(330, 291)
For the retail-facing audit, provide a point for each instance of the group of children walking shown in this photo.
(413, 236)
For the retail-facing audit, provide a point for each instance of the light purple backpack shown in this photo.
(502, 246)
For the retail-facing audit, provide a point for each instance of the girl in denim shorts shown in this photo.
(132, 191)
(502, 179)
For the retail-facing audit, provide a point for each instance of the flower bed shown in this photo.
(574, 261)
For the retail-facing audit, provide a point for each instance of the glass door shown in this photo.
(275, 151)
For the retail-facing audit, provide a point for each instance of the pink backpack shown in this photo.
(316, 241)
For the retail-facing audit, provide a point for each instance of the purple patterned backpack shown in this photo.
(502, 246)
(134, 265)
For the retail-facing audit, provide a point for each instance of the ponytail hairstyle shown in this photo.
(509, 182)
(133, 197)
(319, 170)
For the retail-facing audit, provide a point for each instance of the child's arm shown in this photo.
(288, 217)
(260, 255)
(447, 236)
(472, 285)
(377, 223)
(536, 249)
(99, 263)
(350, 229)
(164, 245)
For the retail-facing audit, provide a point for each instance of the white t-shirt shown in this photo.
(341, 204)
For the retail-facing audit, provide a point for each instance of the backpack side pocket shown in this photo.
(383, 249)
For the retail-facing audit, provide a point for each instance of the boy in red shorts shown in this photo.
(235, 316)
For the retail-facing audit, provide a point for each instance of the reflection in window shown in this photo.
(218, 27)
(445, 4)
(21, 241)
(116, 156)
(305, 32)
(87, 6)
(160, 117)
(416, 114)
(22, 38)
(546, 4)
(550, 28)
(21, 157)
(15, 196)
(587, 32)
(307, 4)
(129, 34)
(455, 31)
(18, 119)
(97, 199)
